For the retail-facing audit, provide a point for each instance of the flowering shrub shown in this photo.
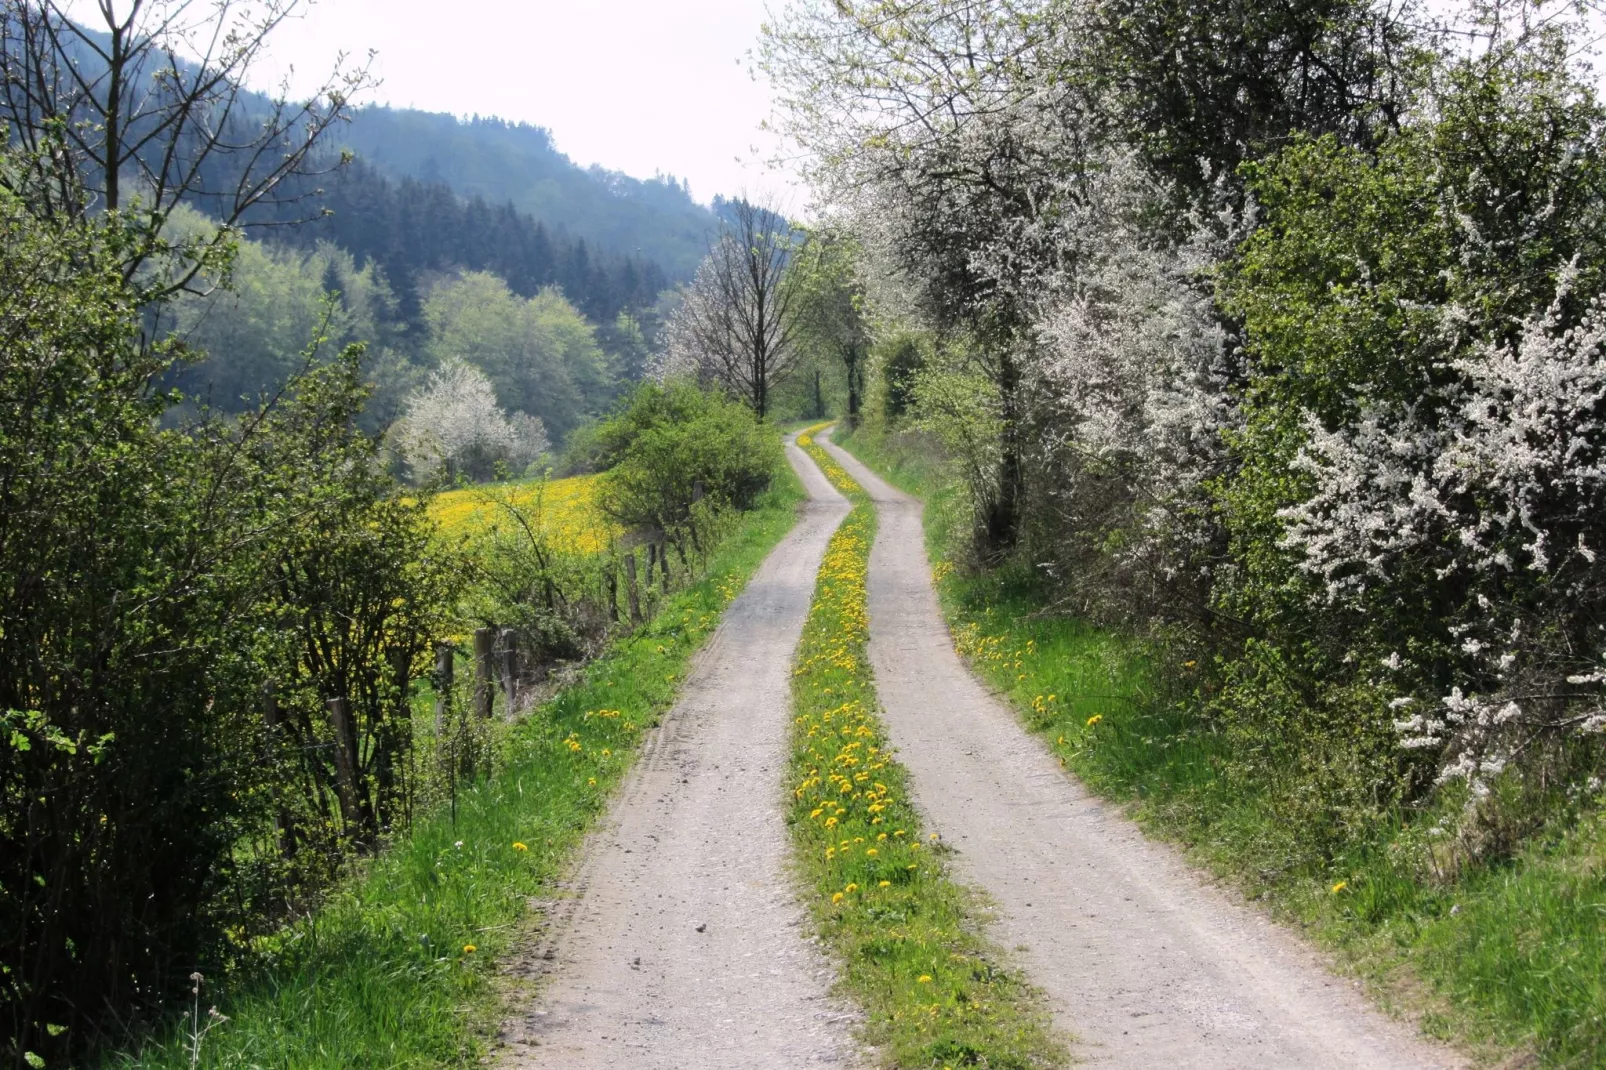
(1325, 390)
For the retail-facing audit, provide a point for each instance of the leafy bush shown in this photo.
(155, 808)
(671, 439)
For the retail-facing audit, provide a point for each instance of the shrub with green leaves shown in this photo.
(155, 807)
(671, 439)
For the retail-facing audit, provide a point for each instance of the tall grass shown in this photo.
(1505, 958)
(398, 967)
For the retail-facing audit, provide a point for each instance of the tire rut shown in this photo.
(1141, 959)
(681, 942)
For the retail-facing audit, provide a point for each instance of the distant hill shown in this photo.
(655, 219)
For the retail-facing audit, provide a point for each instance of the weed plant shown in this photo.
(907, 935)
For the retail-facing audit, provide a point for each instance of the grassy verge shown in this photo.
(397, 968)
(907, 937)
(1497, 958)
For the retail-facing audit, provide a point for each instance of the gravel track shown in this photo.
(682, 943)
(1142, 960)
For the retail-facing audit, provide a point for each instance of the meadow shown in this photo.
(564, 509)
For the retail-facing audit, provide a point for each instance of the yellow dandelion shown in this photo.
(1095, 719)
(886, 884)
(837, 898)
(1340, 886)
(519, 846)
(469, 949)
(924, 979)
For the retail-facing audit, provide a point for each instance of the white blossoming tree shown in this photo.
(455, 422)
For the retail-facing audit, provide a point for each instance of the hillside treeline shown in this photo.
(412, 229)
(421, 276)
(503, 162)
(1276, 332)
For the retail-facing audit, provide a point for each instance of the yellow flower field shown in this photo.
(565, 509)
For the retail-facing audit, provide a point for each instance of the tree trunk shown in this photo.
(1002, 518)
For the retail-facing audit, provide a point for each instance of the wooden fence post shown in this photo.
(613, 593)
(345, 760)
(483, 643)
(630, 587)
(444, 670)
(508, 651)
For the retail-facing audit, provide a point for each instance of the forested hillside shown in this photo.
(515, 163)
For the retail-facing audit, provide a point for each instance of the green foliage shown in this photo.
(1205, 86)
(834, 322)
(152, 581)
(539, 353)
(1369, 276)
(669, 440)
(901, 365)
(250, 333)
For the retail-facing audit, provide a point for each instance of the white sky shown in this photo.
(638, 86)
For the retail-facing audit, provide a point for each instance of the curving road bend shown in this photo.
(683, 946)
(1142, 961)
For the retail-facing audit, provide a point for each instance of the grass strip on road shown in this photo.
(398, 967)
(908, 937)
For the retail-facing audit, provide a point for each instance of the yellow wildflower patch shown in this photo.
(565, 511)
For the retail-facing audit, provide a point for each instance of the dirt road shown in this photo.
(685, 946)
(1143, 961)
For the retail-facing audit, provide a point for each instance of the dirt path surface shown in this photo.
(683, 945)
(1142, 960)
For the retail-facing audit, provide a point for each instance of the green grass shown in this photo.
(1498, 958)
(911, 949)
(382, 974)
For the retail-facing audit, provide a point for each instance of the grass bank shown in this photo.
(397, 968)
(907, 936)
(1507, 960)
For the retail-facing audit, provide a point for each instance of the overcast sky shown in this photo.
(635, 85)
